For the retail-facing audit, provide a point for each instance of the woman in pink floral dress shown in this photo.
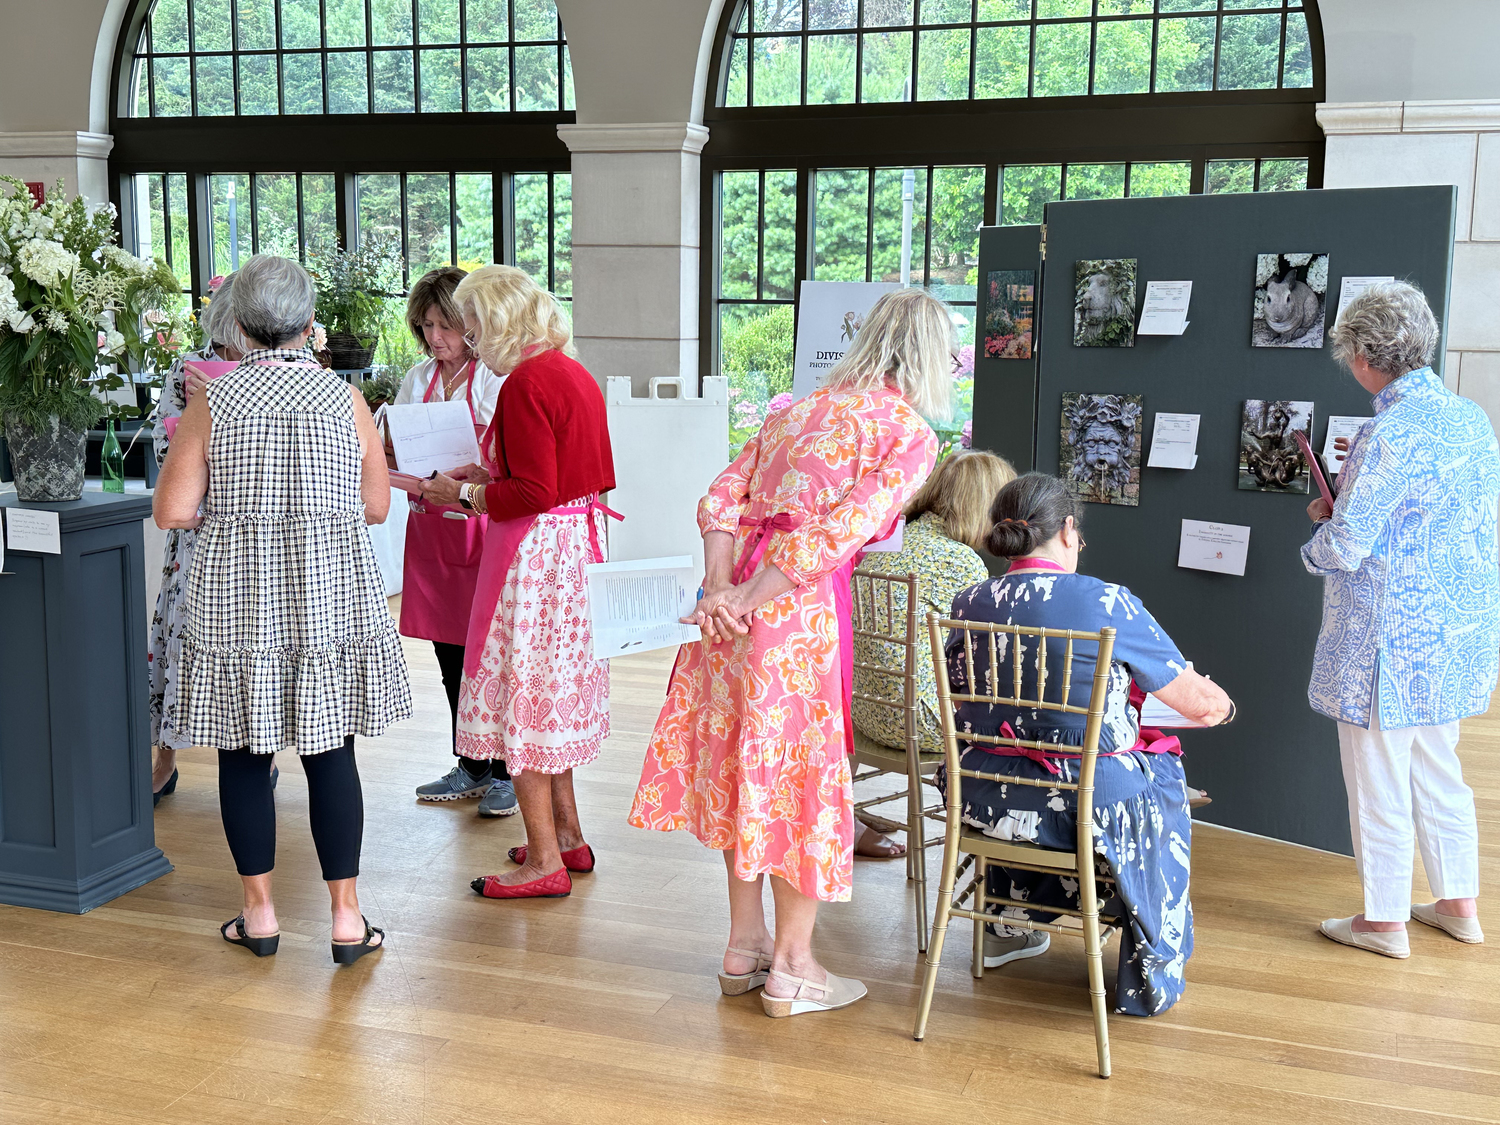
(750, 752)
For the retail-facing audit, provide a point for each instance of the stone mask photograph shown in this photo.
(1100, 456)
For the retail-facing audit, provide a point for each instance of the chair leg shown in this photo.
(916, 854)
(981, 891)
(1094, 952)
(939, 932)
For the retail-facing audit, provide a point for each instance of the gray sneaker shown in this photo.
(456, 785)
(500, 800)
(1003, 950)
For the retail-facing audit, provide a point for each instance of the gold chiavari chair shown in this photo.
(886, 611)
(1000, 642)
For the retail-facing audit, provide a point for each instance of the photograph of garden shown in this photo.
(1009, 309)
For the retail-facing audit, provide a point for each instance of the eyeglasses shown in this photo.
(957, 361)
(470, 341)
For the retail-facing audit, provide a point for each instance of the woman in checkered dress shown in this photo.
(286, 637)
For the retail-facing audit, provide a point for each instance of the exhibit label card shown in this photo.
(1174, 442)
(1352, 287)
(1339, 426)
(32, 529)
(1166, 308)
(1220, 547)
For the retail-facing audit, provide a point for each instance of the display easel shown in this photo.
(1275, 772)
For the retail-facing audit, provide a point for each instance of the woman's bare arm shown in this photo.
(375, 479)
(1196, 697)
(184, 476)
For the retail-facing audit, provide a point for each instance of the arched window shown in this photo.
(825, 114)
(248, 126)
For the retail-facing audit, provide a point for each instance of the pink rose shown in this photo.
(215, 282)
(100, 342)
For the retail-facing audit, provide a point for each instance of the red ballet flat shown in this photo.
(557, 885)
(579, 860)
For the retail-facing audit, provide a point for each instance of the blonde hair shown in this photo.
(906, 338)
(517, 317)
(960, 492)
(434, 291)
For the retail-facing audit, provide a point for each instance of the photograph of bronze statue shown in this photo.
(1291, 294)
(1100, 456)
(1104, 303)
(1269, 458)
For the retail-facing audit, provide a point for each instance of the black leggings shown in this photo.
(450, 660)
(335, 803)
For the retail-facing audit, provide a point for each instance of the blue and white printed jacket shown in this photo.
(1411, 585)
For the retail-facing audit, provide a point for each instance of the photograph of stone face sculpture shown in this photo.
(1291, 292)
(1269, 458)
(1104, 303)
(1100, 457)
(1008, 312)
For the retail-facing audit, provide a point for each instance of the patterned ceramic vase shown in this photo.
(47, 462)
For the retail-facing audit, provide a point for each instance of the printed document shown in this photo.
(1339, 426)
(1352, 287)
(1220, 547)
(1166, 307)
(635, 606)
(432, 437)
(1155, 713)
(1174, 442)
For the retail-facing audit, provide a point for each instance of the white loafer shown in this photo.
(1461, 929)
(835, 992)
(1388, 944)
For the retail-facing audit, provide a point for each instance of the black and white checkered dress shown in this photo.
(287, 640)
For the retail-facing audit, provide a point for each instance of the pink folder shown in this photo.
(213, 368)
(1313, 466)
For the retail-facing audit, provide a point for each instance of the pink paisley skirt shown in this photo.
(540, 700)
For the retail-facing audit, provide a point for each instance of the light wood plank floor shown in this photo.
(604, 1006)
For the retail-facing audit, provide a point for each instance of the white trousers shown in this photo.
(1402, 784)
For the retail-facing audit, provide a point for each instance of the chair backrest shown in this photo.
(885, 608)
(1001, 645)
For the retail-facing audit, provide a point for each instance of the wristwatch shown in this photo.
(466, 495)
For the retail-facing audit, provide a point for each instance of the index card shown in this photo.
(33, 529)
(1220, 547)
(1174, 442)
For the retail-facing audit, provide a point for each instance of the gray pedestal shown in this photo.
(75, 746)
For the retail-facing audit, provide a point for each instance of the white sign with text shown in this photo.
(829, 314)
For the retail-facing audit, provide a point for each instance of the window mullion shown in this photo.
(192, 61)
(551, 234)
(323, 52)
(870, 224)
(859, 53)
(463, 63)
(927, 230)
(370, 65)
(250, 178)
(760, 235)
(405, 254)
(301, 226)
(916, 38)
(510, 6)
(453, 218)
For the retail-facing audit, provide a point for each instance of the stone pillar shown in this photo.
(1391, 144)
(635, 249)
(81, 160)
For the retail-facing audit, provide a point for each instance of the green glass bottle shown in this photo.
(111, 460)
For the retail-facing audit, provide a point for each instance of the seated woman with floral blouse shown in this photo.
(1141, 817)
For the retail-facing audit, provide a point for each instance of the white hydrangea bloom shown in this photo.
(114, 343)
(1317, 274)
(56, 321)
(20, 321)
(1265, 268)
(1298, 260)
(45, 262)
(125, 260)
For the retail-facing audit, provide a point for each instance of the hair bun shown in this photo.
(1013, 538)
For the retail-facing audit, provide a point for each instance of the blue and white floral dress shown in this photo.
(1142, 827)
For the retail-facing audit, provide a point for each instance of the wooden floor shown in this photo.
(603, 1007)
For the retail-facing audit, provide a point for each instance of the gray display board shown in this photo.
(1275, 771)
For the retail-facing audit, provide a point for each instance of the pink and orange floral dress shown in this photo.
(749, 751)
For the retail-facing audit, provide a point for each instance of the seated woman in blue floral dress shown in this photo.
(1141, 822)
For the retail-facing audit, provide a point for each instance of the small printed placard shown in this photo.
(32, 529)
(1220, 547)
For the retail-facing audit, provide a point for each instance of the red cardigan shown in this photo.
(549, 437)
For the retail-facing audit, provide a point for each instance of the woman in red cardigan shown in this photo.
(533, 694)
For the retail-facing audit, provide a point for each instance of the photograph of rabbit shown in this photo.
(1270, 460)
(1291, 293)
(1104, 303)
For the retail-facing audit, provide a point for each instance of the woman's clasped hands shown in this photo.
(722, 613)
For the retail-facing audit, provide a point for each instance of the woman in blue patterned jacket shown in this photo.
(1411, 620)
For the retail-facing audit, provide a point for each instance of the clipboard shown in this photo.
(1313, 466)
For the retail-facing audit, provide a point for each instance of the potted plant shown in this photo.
(74, 307)
(352, 288)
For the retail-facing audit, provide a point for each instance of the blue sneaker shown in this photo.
(455, 785)
(500, 800)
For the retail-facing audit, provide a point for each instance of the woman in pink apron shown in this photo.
(533, 695)
(444, 544)
(750, 753)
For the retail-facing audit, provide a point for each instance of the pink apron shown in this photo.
(443, 553)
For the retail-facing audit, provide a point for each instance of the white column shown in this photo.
(81, 160)
(1388, 144)
(635, 249)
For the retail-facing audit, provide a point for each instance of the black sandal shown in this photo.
(348, 952)
(260, 946)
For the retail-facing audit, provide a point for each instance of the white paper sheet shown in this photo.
(1339, 425)
(1220, 547)
(1174, 442)
(1155, 713)
(432, 437)
(33, 529)
(634, 606)
(1166, 307)
(1352, 287)
(891, 544)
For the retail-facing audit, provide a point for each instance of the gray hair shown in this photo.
(1390, 326)
(217, 318)
(273, 299)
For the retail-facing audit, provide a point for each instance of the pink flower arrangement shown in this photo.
(965, 368)
(779, 402)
